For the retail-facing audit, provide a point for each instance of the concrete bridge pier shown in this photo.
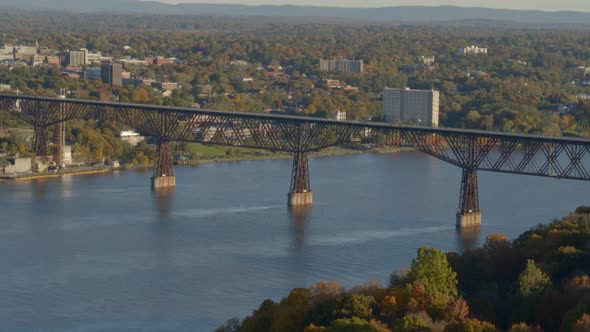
(300, 191)
(469, 214)
(163, 176)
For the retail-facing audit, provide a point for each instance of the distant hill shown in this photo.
(409, 14)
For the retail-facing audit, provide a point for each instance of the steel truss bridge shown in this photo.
(471, 150)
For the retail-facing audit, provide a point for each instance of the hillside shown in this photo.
(406, 14)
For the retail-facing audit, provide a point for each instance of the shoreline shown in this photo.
(88, 170)
(69, 171)
(331, 153)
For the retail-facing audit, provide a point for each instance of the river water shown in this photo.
(104, 253)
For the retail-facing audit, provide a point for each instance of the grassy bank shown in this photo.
(210, 153)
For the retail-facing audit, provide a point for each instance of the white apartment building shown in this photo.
(418, 107)
(339, 116)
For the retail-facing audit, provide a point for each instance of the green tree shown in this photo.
(355, 324)
(412, 323)
(471, 325)
(432, 269)
(354, 305)
(532, 280)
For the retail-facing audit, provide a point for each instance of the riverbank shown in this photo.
(89, 170)
(85, 170)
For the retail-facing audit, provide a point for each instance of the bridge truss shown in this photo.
(471, 150)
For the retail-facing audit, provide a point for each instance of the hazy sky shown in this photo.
(547, 5)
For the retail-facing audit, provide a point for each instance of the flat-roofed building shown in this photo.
(419, 107)
(78, 58)
(167, 86)
(93, 73)
(339, 116)
(472, 50)
(131, 137)
(343, 65)
(333, 84)
(53, 60)
(427, 60)
(38, 60)
(111, 74)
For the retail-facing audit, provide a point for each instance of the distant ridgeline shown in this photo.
(398, 14)
(538, 282)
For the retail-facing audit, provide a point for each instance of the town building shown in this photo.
(427, 60)
(158, 61)
(472, 50)
(93, 73)
(6, 52)
(343, 65)
(111, 74)
(411, 106)
(38, 60)
(97, 58)
(24, 52)
(78, 58)
(578, 96)
(131, 137)
(333, 84)
(237, 80)
(204, 90)
(53, 60)
(166, 86)
(339, 116)
(138, 81)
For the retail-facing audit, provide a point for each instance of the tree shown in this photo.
(232, 325)
(583, 324)
(413, 323)
(523, 327)
(471, 325)
(456, 311)
(326, 290)
(355, 324)
(354, 305)
(261, 319)
(432, 269)
(532, 280)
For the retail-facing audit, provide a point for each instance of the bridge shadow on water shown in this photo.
(300, 216)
